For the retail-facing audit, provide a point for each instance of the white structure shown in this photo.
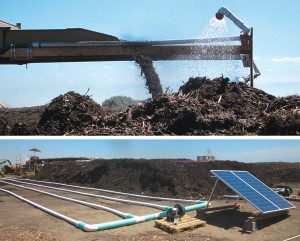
(209, 156)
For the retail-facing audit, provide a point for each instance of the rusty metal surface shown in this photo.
(80, 45)
(119, 53)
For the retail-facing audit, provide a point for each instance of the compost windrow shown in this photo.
(200, 107)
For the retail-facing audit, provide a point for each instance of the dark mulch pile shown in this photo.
(70, 114)
(162, 177)
(200, 107)
(20, 121)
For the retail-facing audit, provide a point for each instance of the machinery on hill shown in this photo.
(79, 45)
(3, 166)
(31, 167)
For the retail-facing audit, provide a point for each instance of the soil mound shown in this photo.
(168, 178)
(69, 114)
(20, 121)
(200, 107)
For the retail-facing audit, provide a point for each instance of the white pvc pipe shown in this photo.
(107, 225)
(127, 43)
(88, 204)
(115, 192)
(256, 70)
(47, 210)
(225, 11)
(298, 236)
(161, 207)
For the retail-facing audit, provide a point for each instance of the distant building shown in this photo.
(11, 26)
(207, 158)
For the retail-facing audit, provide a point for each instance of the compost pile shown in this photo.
(200, 107)
(162, 177)
(70, 114)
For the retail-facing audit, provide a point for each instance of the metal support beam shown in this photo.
(82, 45)
(251, 60)
(219, 208)
(119, 53)
(212, 192)
(250, 224)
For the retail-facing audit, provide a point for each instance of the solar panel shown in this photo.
(253, 190)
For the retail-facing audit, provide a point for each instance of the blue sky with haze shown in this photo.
(244, 150)
(276, 50)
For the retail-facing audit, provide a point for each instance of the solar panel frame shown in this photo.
(267, 192)
(254, 191)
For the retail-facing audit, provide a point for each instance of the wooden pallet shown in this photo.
(186, 223)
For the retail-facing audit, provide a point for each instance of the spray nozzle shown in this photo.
(219, 15)
(225, 11)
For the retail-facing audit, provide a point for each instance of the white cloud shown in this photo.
(273, 154)
(92, 75)
(257, 58)
(287, 59)
(269, 69)
(60, 75)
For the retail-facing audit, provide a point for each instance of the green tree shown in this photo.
(119, 101)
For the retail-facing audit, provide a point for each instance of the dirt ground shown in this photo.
(200, 107)
(20, 221)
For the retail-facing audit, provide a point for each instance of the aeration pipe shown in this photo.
(47, 210)
(88, 204)
(107, 225)
(225, 11)
(161, 207)
(115, 192)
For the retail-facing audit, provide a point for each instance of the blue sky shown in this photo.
(244, 150)
(276, 50)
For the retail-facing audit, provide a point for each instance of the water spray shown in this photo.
(254, 72)
(225, 11)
